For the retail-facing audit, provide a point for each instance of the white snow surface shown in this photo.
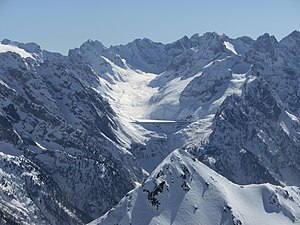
(165, 103)
(131, 95)
(13, 48)
(182, 190)
(230, 47)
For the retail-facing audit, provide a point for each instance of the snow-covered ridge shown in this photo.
(181, 190)
(13, 48)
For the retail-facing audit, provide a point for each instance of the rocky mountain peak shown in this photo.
(292, 43)
(94, 45)
(266, 44)
(295, 34)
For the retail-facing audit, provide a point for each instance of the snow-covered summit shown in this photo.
(24, 50)
(28, 47)
(182, 190)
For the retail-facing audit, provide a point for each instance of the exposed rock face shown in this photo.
(250, 143)
(52, 121)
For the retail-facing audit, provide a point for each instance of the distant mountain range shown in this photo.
(78, 132)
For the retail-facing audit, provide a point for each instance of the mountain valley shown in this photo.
(204, 130)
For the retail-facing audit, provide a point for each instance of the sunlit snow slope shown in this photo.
(182, 190)
(13, 48)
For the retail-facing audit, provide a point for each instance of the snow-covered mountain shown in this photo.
(214, 72)
(255, 133)
(78, 132)
(56, 126)
(182, 190)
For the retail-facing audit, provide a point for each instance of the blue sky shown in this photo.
(59, 25)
